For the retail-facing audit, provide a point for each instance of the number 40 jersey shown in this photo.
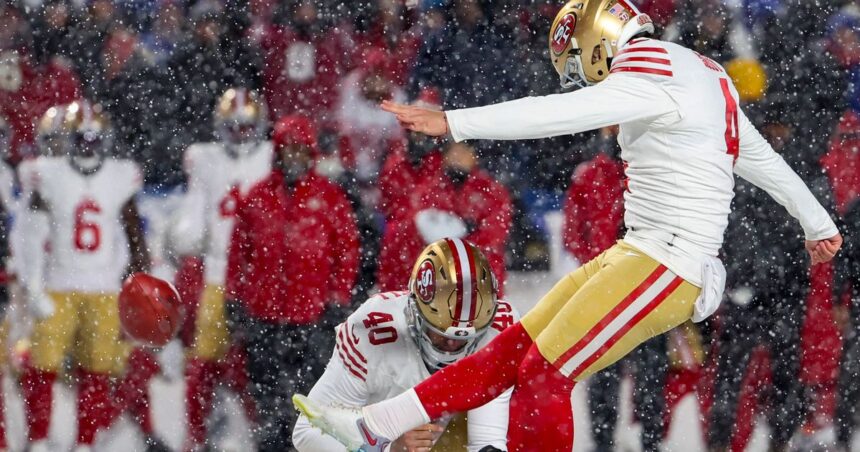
(84, 212)
(376, 358)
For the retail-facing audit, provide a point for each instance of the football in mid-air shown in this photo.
(150, 310)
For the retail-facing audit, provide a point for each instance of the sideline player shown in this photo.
(219, 175)
(85, 200)
(396, 339)
(682, 136)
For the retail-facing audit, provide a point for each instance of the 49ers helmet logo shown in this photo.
(562, 33)
(425, 281)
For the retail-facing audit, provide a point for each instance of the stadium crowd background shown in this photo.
(158, 67)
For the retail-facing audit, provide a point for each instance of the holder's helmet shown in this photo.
(452, 301)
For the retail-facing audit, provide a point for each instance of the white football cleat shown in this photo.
(341, 423)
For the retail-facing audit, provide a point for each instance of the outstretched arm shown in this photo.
(759, 164)
(133, 226)
(617, 100)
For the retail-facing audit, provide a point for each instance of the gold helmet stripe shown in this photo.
(466, 297)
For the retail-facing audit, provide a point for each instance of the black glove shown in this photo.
(237, 319)
(335, 314)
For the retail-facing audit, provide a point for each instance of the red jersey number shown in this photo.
(503, 318)
(87, 234)
(379, 333)
(733, 145)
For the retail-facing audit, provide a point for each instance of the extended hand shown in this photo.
(824, 250)
(417, 119)
(41, 305)
(418, 440)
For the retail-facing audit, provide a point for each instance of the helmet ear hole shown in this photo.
(595, 54)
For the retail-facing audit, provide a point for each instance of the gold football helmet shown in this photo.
(240, 117)
(586, 35)
(52, 138)
(452, 301)
(91, 137)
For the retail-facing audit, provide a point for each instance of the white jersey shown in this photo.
(376, 358)
(682, 136)
(85, 218)
(216, 183)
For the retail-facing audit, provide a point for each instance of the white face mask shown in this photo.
(434, 358)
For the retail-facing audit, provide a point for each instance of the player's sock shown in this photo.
(93, 404)
(140, 369)
(235, 371)
(466, 384)
(37, 387)
(200, 378)
(541, 416)
(396, 416)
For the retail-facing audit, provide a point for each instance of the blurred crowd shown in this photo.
(788, 336)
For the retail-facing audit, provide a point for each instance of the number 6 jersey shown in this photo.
(376, 358)
(84, 213)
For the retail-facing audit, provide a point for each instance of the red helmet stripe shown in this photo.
(473, 305)
(629, 6)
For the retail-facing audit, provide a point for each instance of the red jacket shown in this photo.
(820, 339)
(398, 180)
(402, 50)
(842, 161)
(300, 75)
(292, 253)
(40, 89)
(481, 201)
(594, 209)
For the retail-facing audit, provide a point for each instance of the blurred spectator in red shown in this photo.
(406, 167)
(464, 202)
(30, 85)
(370, 131)
(292, 265)
(304, 61)
(842, 161)
(848, 266)
(389, 27)
(594, 209)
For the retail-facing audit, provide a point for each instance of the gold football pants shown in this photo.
(211, 336)
(85, 324)
(606, 308)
